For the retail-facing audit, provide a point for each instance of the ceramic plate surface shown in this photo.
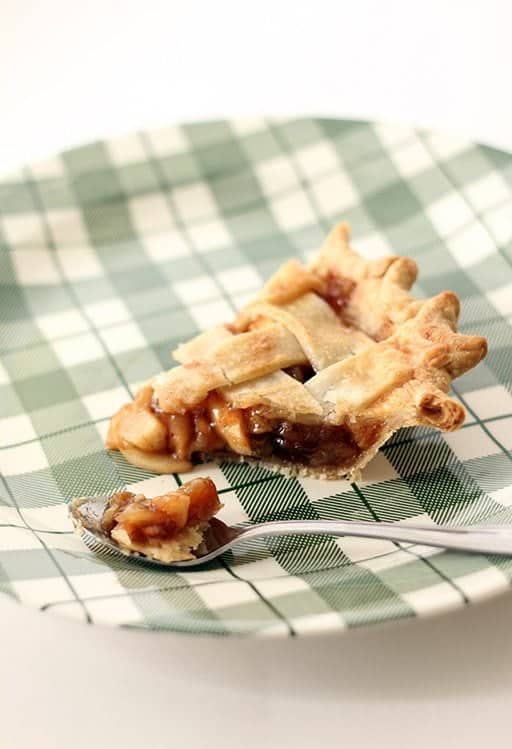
(112, 253)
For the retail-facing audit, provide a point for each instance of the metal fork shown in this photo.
(220, 537)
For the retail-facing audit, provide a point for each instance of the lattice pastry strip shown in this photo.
(313, 376)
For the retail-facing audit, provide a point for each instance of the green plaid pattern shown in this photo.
(112, 253)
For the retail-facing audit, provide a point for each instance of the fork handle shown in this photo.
(484, 540)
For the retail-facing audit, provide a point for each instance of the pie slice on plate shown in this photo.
(312, 377)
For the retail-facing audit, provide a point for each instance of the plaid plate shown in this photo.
(112, 253)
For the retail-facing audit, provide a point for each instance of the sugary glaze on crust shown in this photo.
(381, 360)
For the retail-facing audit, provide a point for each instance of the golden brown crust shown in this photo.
(283, 394)
(436, 409)
(304, 317)
(380, 300)
(237, 359)
(381, 356)
(291, 281)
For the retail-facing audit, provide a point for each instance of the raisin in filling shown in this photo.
(306, 444)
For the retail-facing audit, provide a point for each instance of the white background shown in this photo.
(75, 70)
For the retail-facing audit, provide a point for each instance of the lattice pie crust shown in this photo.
(312, 377)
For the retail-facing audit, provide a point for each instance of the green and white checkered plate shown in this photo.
(112, 253)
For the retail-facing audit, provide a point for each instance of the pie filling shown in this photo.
(215, 426)
(314, 445)
(336, 291)
(169, 527)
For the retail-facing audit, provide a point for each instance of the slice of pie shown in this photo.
(312, 377)
(168, 528)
